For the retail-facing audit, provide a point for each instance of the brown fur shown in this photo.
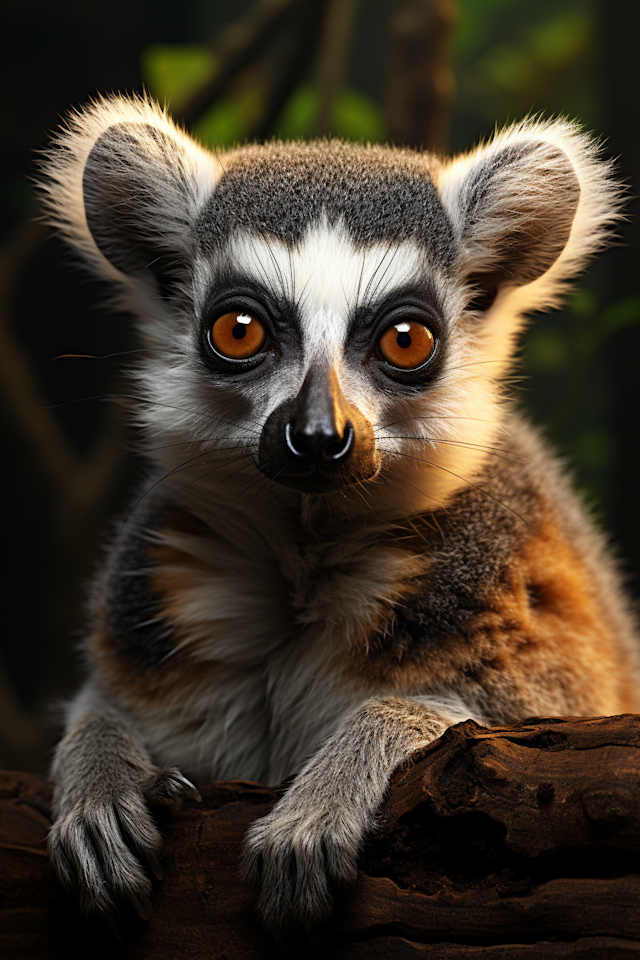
(159, 687)
(540, 641)
(173, 572)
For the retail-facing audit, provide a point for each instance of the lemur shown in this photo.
(347, 539)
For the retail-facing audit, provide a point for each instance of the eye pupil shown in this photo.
(239, 331)
(403, 340)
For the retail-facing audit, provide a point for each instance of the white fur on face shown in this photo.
(327, 275)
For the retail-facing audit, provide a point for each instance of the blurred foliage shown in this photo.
(513, 58)
(355, 116)
(173, 73)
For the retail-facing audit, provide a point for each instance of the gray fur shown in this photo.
(123, 600)
(283, 189)
(519, 260)
(104, 783)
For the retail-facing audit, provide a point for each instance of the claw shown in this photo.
(282, 944)
(154, 863)
(311, 929)
(142, 906)
(110, 921)
(169, 788)
(190, 789)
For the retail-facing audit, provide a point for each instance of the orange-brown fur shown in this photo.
(539, 637)
(173, 572)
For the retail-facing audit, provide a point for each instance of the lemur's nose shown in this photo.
(322, 444)
(317, 441)
(317, 432)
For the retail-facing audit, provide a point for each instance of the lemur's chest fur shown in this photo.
(241, 656)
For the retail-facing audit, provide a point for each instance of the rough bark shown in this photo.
(518, 842)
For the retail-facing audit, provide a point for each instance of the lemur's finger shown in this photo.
(142, 906)
(124, 875)
(96, 851)
(287, 942)
(169, 787)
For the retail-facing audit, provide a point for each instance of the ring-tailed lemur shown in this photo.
(347, 540)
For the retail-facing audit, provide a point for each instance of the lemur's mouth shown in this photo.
(318, 481)
(317, 442)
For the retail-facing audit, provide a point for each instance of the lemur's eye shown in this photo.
(407, 344)
(238, 336)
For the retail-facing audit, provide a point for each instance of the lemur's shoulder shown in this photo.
(520, 593)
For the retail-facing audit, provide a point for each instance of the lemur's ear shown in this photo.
(125, 185)
(533, 203)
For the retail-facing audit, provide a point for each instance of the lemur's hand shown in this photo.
(312, 837)
(104, 829)
(308, 843)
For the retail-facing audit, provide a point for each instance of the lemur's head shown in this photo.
(340, 313)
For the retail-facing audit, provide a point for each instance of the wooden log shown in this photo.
(518, 842)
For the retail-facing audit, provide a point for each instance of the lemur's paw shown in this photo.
(97, 846)
(295, 856)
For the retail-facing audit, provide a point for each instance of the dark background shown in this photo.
(422, 72)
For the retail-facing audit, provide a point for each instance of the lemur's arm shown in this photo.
(312, 837)
(103, 829)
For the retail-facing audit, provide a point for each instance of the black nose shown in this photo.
(317, 441)
(323, 444)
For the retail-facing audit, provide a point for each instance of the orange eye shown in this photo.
(407, 344)
(238, 336)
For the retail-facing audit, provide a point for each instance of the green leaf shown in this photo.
(355, 116)
(222, 125)
(299, 114)
(546, 350)
(593, 449)
(563, 39)
(583, 305)
(172, 73)
(619, 315)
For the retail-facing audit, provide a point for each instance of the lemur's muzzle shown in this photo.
(317, 441)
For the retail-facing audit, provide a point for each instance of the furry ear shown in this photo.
(529, 206)
(125, 186)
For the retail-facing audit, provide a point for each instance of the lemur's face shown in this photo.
(323, 341)
(317, 303)
(339, 314)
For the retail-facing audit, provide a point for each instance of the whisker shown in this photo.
(492, 451)
(93, 356)
(408, 482)
(208, 474)
(385, 426)
(180, 443)
(178, 469)
(171, 406)
(200, 416)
